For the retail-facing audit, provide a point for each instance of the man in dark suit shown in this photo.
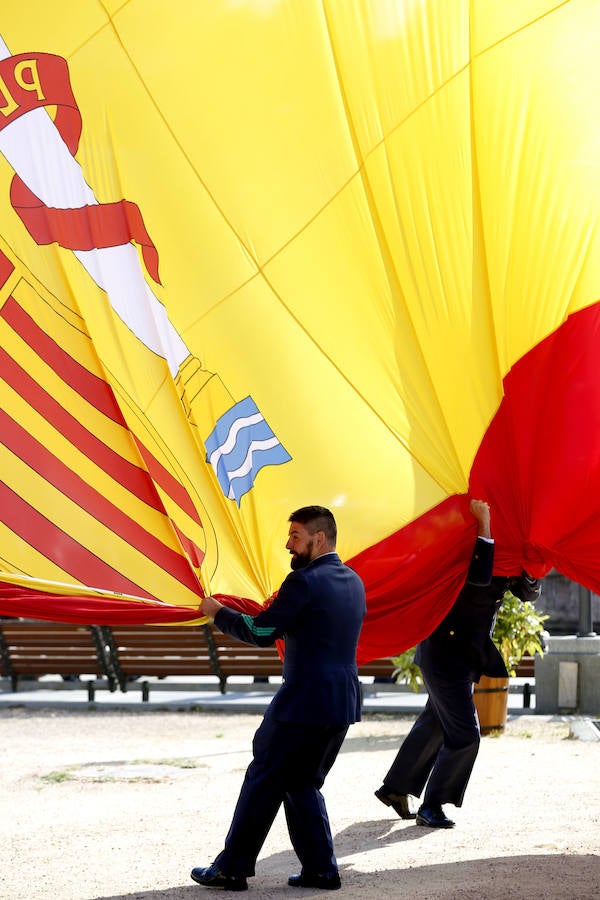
(318, 612)
(440, 750)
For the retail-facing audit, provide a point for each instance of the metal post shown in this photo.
(585, 613)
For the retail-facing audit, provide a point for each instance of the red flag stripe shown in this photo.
(194, 552)
(6, 268)
(92, 388)
(95, 391)
(61, 548)
(56, 473)
(37, 604)
(163, 478)
(124, 472)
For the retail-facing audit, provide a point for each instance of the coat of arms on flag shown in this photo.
(239, 445)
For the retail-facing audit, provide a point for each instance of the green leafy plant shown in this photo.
(519, 631)
(406, 671)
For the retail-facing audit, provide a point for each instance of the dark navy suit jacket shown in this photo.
(463, 638)
(462, 641)
(318, 612)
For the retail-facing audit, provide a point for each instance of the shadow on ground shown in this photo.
(510, 878)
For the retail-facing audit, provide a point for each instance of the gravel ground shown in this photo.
(121, 805)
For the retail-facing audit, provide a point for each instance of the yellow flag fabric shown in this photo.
(262, 254)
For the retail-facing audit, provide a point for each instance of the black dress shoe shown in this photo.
(330, 881)
(213, 877)
(398, 802)
(433, 817)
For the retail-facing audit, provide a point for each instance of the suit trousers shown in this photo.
(440, 750)
(289, 766)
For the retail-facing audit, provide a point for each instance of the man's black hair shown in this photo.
(316, 518)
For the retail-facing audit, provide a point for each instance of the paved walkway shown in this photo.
(119, 805)
(242, 696)
(172, 693)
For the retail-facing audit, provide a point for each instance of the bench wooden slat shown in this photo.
(147, 650)
(526, 668)
(237, 658)
(379, 668)
(32, 649)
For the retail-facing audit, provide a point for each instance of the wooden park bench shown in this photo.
(31, 649)
(139, 651)
(526, 668)
(124, 654)
(381, 669)
(236, 658)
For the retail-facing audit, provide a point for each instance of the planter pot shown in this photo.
(491, 701)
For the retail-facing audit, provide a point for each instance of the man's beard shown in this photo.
(301, 560)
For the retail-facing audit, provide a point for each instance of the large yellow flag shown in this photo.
(256, 255)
